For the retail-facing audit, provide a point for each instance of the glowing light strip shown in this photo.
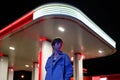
(64, 9)
(17, 24)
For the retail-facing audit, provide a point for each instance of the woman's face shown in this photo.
(57, 46)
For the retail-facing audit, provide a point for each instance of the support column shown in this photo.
(10, 73)
(35, 71)
(3, 67)
(45, 52)
(78, 66)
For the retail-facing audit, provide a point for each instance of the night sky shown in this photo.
(105, 13)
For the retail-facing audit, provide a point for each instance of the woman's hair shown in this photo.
(57, 40)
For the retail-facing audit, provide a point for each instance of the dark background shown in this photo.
(105, 13)
(18, 75)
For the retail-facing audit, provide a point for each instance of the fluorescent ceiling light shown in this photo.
(61, 29)
(26, 65)
(11, 48)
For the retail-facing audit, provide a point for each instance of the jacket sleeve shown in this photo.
(68, 68)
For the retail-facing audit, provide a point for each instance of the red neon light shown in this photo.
(84, 70)
(43, 39)
(40, 66)
(11, 69)
(40, 63)
(1, 54)
(17, 24)
(96, 78)
(40, 58)
(82, 56)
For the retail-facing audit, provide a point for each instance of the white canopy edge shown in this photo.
(65, 9)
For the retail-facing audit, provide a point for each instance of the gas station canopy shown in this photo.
(20, 39)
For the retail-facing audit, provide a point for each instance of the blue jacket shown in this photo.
(61, 69)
